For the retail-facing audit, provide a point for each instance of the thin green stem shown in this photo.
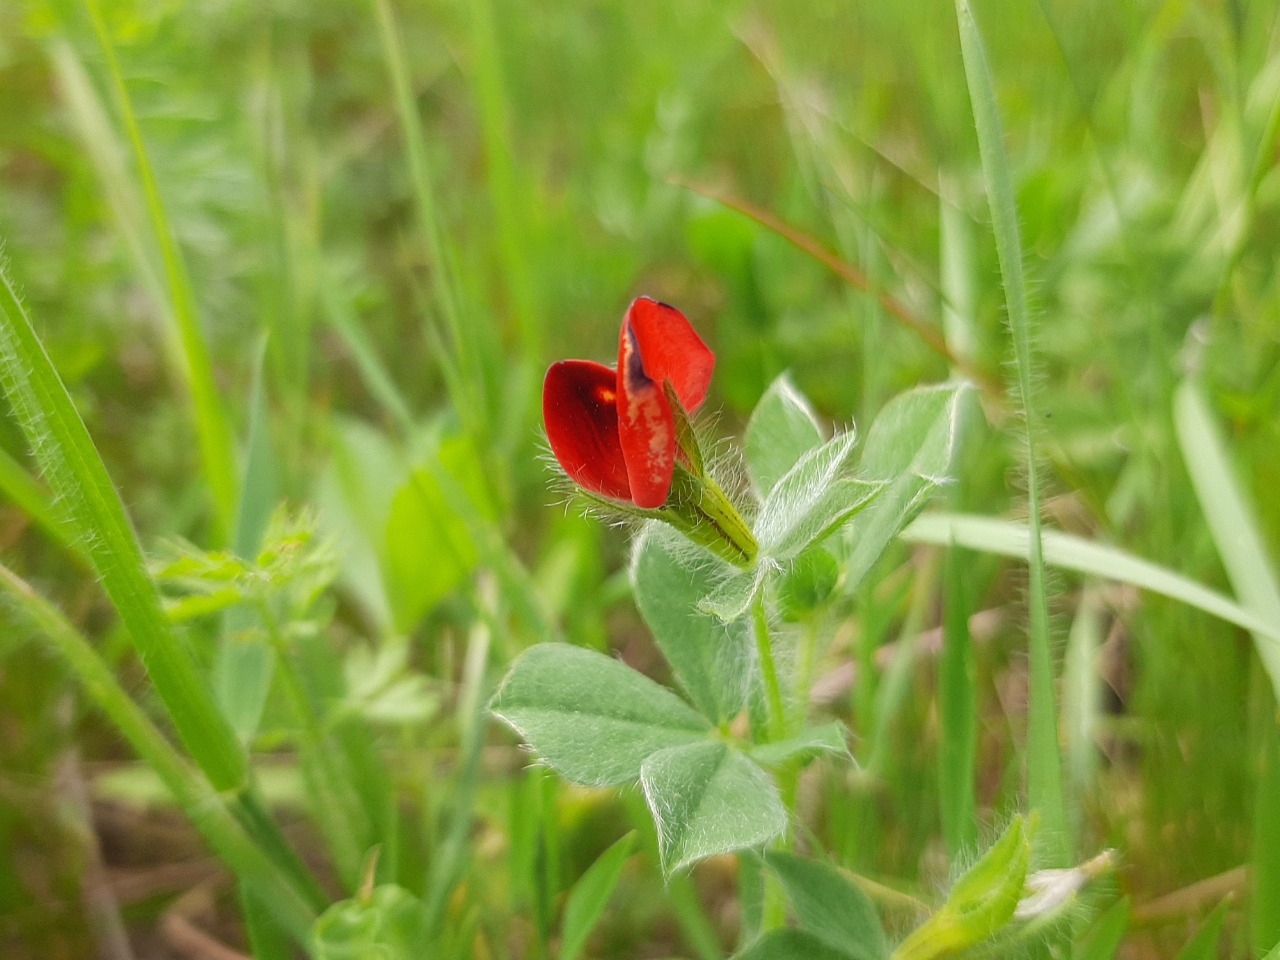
(505, 191)
(773, 908)
(459, 365)
(777, 723)
(333, 808)
(1044, 762)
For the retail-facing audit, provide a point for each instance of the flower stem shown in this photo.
(777, 726)
(773, 908)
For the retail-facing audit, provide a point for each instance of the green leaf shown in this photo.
(830, 738)
(790, 945)
(980, 904)
(1102, 940)
(380, 688)
(806, 583)
(246, 662)
(991, 888)
(830, 906)
(712, 660)
(707, 799)
(911, 446)
(354, 500)
(812, 500)
(382, 926)
(593, 719)
(783, 428)
(730, 599)
(589, 896)
(429, 549)
(1203, 944)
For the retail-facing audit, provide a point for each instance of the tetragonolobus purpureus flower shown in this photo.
(623, 433)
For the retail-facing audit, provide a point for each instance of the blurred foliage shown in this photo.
(1143, 142)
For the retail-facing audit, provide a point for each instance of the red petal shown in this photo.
(580, 410)
(670, 349)
(646, 427)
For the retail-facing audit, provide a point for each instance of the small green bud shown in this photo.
(382, 923)
(806, 584)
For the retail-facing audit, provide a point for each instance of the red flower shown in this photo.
(613, 431)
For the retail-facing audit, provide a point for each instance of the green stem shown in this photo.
(773, 908)
(1044, 761)
(768, 671)
(334, 808)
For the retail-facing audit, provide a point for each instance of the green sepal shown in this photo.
(982, 902)
(699, 509)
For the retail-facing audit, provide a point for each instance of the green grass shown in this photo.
(315, 259)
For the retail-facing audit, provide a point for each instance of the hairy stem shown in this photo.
(773, 907)
(777, 722)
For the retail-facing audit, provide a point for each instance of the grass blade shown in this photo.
(504, 191)
(1067, 552)
(453, 856)
(1235, 528)
(109, 161)
(1044, 761)
(207, 809)
(1232, 520)
(460, 367)
(1102, 940)
(242, 673)
(957, 713)
(211, 421)
(590, 895)
(340, 315)
(850, 275)
(95, 516)
(1203, 944)
(959, 293)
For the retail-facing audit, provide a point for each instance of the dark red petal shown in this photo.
(646, 427)
(670, 349)
(580, 410)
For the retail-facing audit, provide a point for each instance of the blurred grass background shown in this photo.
(375, 224)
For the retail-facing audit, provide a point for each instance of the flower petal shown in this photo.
(670, 349)
(580, 411)
(646, 427)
